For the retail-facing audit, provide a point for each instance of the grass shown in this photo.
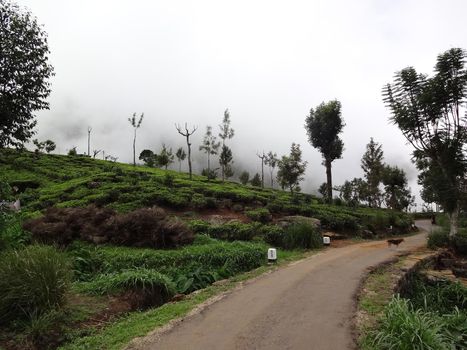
(137, 324)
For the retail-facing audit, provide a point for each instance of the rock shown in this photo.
(178, 297)
(286, 221)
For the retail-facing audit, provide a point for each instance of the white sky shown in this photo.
(269, 62)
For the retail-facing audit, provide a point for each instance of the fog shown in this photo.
(269, 62)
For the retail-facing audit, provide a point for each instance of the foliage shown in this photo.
(323, 127)
(397, 194)
(271, 161)
(261, 215)
(430, 113)
(24, 74)
(149, 227)
(165, 157)
(438, 238)
(148, 157)
(233, 231)
(404, 328)
(245, 177)
(197, 279)
(372, 165)
(441, 297)
(181, 155)
(159, 286)
(291, 169)
(210, 146)
(296, 236)
(256, 180)
(11, 233)
(34, 281)
(225, 160)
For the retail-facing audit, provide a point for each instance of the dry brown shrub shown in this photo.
(147, 227)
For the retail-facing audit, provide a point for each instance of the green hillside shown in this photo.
(72, 181)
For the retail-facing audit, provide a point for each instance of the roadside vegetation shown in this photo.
(135, 240)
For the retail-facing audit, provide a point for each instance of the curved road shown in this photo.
(306, 305)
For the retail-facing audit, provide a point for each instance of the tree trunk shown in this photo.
(189, 153)
(454, 221)
(179, 166)
(262, 172)
(209, 167)
(329, 180)
(134, 150)
(272, 178)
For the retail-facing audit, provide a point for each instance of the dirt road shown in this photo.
(306, 305)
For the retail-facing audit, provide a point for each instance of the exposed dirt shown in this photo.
(306, 305)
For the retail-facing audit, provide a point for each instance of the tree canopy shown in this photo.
(430, 112)
(323, 127)
(24, 73)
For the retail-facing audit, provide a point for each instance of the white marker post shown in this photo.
(272, 255)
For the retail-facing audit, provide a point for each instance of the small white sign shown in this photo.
(326, 240)
(272, 254)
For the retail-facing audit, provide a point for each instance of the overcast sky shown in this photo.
(269, 62)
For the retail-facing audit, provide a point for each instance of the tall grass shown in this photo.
(403, 328)
(33, 281)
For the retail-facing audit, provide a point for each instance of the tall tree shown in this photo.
(135, 124)
(187, 133)
(263, 158)
(210, 146)
(292, 169)
(430, 112)
(24, 73)
(49, 146)
(226, 133)
(372, 165)
(396, 193)
(271, 161)
(181, 155)
(323, 127)
(225, 161)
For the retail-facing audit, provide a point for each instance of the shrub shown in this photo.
(438, 238)
(234, 231)
(199, 226)
(33, 280)
(147, 227)
(273, 235)
(459, 242)
(142, 287)
(261, 215)
(302, 236)
(11, 233)
(194, 280)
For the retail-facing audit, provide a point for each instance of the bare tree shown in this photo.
(96, 152)
(89, 141)
(187, 133)
(135, 126)
(263, 157)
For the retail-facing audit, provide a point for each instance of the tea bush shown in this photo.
(261, 215)
(33, 281)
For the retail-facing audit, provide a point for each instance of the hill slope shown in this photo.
(70, 181)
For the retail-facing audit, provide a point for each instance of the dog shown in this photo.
(396, 242)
